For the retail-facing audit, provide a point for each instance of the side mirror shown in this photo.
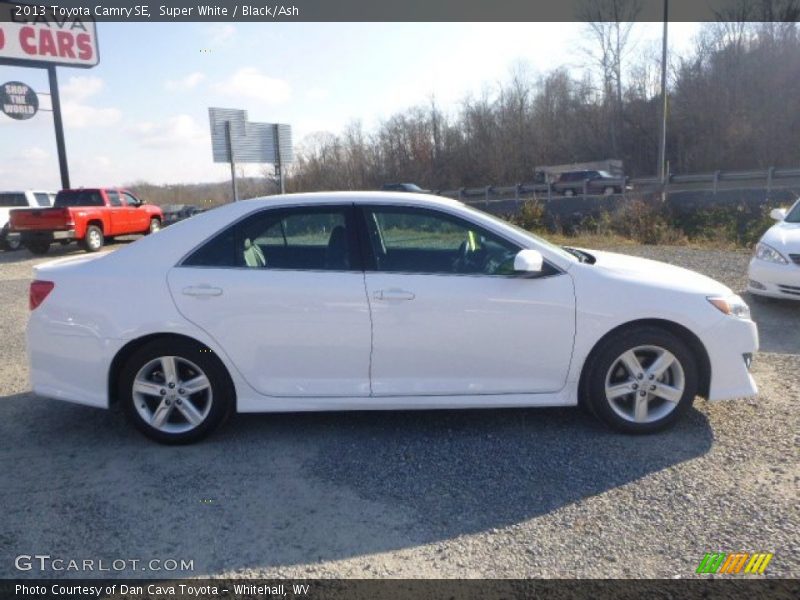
(779, 214)
(528, 261)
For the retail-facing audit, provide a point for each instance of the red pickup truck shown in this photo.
(86, 215)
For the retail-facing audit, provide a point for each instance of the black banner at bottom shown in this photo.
(394, 589)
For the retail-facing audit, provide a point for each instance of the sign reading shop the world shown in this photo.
(18, 100)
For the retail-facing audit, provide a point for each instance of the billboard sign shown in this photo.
(37, 35)
(252, 142)
(18, 100)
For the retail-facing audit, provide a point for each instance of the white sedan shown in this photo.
(357, 301)
(775, 267)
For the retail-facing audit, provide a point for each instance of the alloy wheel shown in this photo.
(172, 394)
(645, 384)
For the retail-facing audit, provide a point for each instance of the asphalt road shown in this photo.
(484, 493)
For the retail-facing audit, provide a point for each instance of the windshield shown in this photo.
(540, 240)
(606, 174)
(794, 214)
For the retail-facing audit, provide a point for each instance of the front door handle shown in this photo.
(202, 290)
(393, 294)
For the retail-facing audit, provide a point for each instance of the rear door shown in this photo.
(117, 214)
(282, 292)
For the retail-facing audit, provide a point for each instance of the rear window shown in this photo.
(7, 199)
(42, 199)
(79, 198)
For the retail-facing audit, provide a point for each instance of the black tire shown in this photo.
(93, 240)
(65, 242)
(599, 367)
(9, 244)
(38, 247)
(155, 226)
(220, 397)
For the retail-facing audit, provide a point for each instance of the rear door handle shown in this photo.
(393, 294)
(202, 290)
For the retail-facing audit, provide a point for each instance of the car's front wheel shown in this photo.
(641, 380)
(154, 227)
(175, 391)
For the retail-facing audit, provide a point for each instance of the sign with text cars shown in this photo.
(33, 35)
(18, 100)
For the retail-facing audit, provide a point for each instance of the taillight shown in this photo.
(39, 291)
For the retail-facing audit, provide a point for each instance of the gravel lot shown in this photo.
(505, 493)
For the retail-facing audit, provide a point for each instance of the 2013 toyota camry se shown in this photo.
(354, 301)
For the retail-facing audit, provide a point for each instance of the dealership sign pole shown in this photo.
(34, 36)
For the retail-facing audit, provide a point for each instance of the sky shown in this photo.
(142, 113)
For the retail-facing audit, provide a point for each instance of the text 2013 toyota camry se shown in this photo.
(353, 301)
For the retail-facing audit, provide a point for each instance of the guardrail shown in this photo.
(770, 178)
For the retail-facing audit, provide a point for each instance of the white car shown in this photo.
(357, 301)
(775, 267)
(20, 199)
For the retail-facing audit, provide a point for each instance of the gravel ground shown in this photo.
(504, 493)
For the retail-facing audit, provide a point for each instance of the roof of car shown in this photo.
(358, 198)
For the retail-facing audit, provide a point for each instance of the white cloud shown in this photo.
(249, 82)
(33, 154)
(77, 113)
(191, 81)
(317, 94)
(177, 131)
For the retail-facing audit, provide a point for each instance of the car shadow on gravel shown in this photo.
(270, 491)
(777, 322)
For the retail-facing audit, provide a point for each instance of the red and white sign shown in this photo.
(38, 34)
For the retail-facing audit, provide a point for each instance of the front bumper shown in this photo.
(730, 344)
(773, 280)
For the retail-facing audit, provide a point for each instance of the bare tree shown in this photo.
(609, 24)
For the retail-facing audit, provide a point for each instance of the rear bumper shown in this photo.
(47, 236)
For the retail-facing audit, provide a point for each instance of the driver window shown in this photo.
(415, 240)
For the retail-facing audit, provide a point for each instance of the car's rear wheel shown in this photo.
(38, 247)
(155, 225)
(9, 243)
(641, 380)
(93, 240)
(609, 191)
(569, 192)
(175, 391)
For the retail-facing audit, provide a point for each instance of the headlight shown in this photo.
(731, 305)
(769, 254)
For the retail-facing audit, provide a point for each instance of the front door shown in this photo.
(450, 317)
(282, 293)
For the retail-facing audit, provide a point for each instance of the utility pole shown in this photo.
(662, 148)
(55, 99)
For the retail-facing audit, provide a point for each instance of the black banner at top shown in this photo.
(400, 10)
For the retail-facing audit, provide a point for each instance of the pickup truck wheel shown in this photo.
(65, 242)
(155, 225)
(38, 247)
(609, 191)
(569, 192)
(93, 240)
(10, 244)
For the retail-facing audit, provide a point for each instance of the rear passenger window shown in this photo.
(313, 238)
